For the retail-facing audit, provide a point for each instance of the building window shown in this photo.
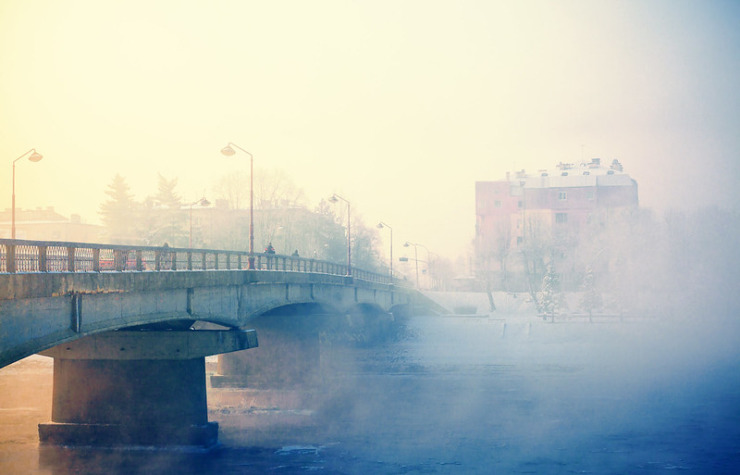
(519, 203)
(497, 203)
(590, 194)
(561, 218)
(519, 240)
(562, 196)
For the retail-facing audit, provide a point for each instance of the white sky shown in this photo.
(399, 106)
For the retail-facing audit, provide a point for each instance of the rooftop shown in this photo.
(583, 174)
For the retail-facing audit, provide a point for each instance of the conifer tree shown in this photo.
(166, 196)
(550, 299)
(119, 211)
(170, 219)
(591, 299)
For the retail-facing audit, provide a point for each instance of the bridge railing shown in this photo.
(22, 256)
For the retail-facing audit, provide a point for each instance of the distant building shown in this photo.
(554, 205)
(45, 224)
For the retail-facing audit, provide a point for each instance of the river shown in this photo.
(485, 394)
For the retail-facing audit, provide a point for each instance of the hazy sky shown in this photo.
(399, 106)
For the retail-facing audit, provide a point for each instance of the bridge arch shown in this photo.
(39, 311)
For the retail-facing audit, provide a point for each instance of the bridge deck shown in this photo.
(53, 292)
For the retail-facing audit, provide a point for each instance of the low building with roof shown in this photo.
(46, 224)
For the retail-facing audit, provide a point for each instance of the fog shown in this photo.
(652, 388)
(649, 383)
(511, 392)
(399, 107)
(562, 398)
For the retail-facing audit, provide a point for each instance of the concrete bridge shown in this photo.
(129, 327)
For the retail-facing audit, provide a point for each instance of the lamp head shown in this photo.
(380, 226)
(228, 151)
(35, 156)
(406, 244)
(204, 202)
(333, 198)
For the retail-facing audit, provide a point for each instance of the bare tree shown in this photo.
(273, 189)
(234, 189)
(276, 189)
(536, 246)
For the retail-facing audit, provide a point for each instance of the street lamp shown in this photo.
(33, 157)
(382, 225)
(416, 259)
(201, 202)
(334, 199)
(229, 151)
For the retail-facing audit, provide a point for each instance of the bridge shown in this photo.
(129, 327)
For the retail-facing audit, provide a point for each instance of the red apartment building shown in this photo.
(556, 205)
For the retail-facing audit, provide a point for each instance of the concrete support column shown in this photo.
(136, 388)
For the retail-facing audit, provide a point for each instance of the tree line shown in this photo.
(281, 218)
(681, 263)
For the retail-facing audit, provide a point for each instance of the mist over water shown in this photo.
(401, 107)
(553, 398)
(649, 384)
(494, 393)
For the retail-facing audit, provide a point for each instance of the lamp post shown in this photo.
(416, 259)
(201, 202)
(382, 225)
(33, 157)
(334, 199)
(229, 151)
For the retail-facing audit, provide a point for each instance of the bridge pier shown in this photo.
(293, 347)
(136, 388)
(284, 360)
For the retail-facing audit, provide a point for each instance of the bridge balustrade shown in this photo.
(24, 256)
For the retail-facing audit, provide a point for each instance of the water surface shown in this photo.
(489, 394)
